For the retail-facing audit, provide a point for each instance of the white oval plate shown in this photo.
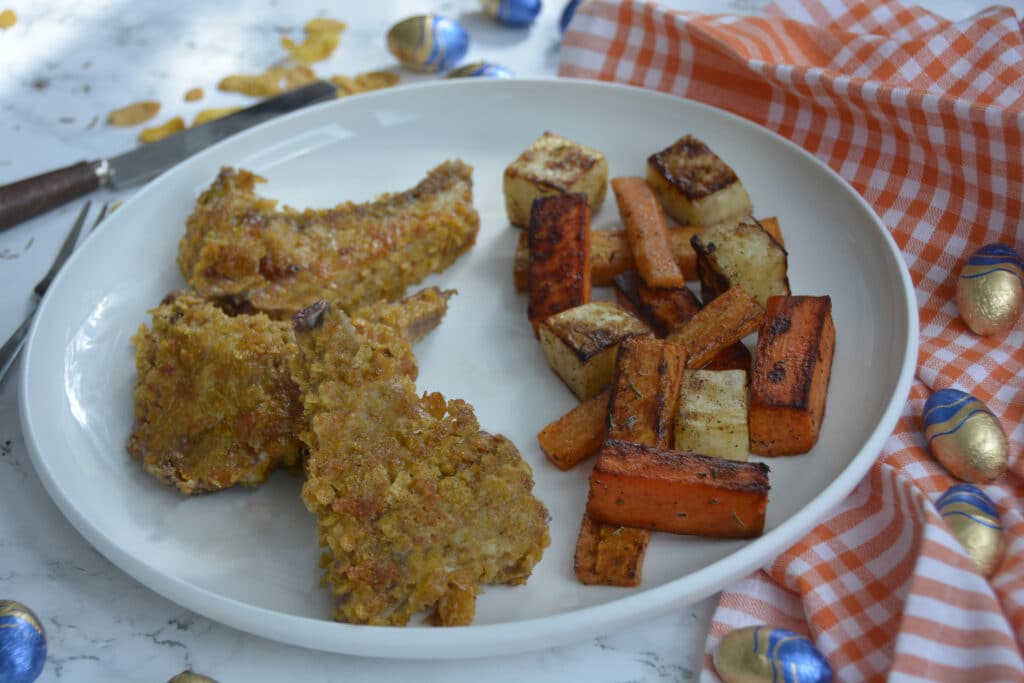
(249, 558)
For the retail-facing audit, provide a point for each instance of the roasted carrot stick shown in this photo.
(647, 232)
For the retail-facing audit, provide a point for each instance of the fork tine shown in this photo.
(65, 250)
(101, 216)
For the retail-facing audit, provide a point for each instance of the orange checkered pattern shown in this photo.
(925, 118)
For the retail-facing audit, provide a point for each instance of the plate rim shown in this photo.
(508, 637)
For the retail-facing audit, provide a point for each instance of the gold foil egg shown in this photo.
(428, 42)
(990, 289)
(480, 70)
(512, 12)
(762, 654)
(965, 436)
(22, 643)
(974, 520)
(189, 677)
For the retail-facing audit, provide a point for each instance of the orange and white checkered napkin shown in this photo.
(925, 118)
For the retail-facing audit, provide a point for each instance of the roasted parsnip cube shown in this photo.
(559, 241)
(581, 344)
(694, 185)
(662, 309)
(720, 324)
(553, 165)
(712, 417)
(792, 367)
(610, 555)
(578, 433)
(682, 493)
(742, 254)
(610, 254)
(645, 391)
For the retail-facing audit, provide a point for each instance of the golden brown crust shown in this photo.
(416, 506)
(215, 405)
(239, 246)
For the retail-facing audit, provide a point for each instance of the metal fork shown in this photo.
(9, 351)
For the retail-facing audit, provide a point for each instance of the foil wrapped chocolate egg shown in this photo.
(480, 70)
(990, 289)
(190, 677)
(965, 436)
(512, 12)
(762, 654)
(428, 42)
(974, 520)
(570, 9)
(22, 643)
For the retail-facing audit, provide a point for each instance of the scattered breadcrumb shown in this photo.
(266, 84)
(321, 40)
(298, 76)
(364, 82)
(134, 114)
(8, 19)
(273, 81)
(165, 129)
(194, 94)
(207, 115)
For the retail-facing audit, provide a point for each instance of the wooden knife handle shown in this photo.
(24, 199)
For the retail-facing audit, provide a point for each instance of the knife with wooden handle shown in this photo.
(24, 199)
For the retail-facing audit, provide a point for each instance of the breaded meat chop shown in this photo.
(215, 405)
(416, 506)
(240, 248)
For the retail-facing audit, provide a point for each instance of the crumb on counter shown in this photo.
(165, 129)
(134, 114)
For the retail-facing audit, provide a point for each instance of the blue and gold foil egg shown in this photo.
(974, 520)
(762, 654)
(480, 70)
(965, 436)
(567, 13)
(512, 12)
(990, 289)
(428, 42)
(22, 643)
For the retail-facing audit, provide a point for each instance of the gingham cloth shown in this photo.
(925, 118)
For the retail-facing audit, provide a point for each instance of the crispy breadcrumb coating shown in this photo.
(240, 247)
(416, 506)
(215, 405)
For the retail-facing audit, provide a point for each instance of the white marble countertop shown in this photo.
(65, 65)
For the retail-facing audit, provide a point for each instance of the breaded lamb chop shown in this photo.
(215, 405)
(416, 506)
(240, 248)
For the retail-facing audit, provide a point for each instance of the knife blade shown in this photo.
(24, 199)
